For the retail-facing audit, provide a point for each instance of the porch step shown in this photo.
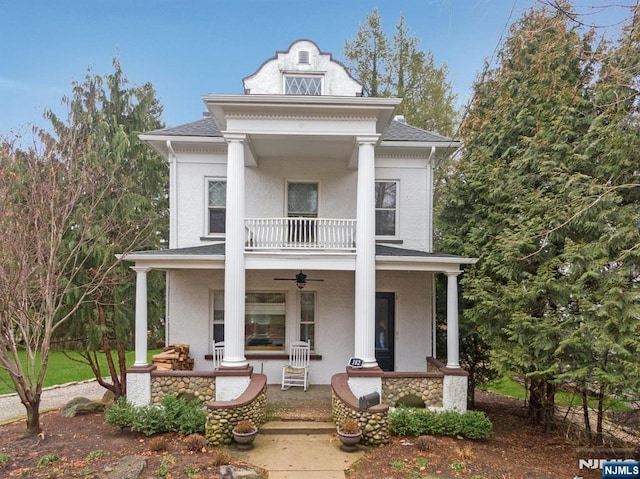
(298, 427)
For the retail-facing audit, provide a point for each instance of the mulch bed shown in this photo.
(87, 447)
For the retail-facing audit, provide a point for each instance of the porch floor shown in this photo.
(295, 404)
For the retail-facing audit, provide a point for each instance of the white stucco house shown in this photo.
(301, 173)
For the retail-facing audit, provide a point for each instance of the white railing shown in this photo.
(300, 233)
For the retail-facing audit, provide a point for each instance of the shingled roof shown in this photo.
(207, 127)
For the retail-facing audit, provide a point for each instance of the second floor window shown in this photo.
(216, 206)
(386, 208)
(302, 85)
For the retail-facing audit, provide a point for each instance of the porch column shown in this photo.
(141, 315)
(365, 293)
(234, 272)
(453, 342)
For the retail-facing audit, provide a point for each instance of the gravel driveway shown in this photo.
(11, 408)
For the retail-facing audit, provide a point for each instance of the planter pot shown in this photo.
(349, 441)
(244, 441)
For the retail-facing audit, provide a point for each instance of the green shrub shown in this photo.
(121, 414)
(171, 415)
(417, 422)
(4, 458)
(184, 416)
(476, 425)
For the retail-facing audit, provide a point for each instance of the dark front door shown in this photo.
(385, 313)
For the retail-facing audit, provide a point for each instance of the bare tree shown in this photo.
(51, 204)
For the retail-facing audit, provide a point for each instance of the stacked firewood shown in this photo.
(174, 358)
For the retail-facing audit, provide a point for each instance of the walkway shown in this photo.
(300, 441)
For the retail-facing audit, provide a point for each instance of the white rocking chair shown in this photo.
(296, 373)
(218, 354)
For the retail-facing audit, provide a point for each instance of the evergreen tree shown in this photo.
(506, 200)
(108, 114)
(398, 67)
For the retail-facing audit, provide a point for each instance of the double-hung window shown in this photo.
(216, 206)
(386, 208)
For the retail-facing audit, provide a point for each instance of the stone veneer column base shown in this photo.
(454, 393)
(139, 385)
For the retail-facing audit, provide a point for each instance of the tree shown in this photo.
(546, 195)
(109, 114)
(60, 219)
(509, 186)
(397, 67)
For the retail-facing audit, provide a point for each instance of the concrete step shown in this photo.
(298, 427)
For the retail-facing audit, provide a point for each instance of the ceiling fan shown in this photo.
(300, 279)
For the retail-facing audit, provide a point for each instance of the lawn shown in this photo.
(506, 386)
(62, 369)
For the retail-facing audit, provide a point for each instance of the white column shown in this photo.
(234, 272)
(365, 294)
(453, 343)
(141, 315)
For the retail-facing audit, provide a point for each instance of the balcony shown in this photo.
(300, 234)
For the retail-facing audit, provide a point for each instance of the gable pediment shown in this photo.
(302, 69)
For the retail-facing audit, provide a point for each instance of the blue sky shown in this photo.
(194, 47)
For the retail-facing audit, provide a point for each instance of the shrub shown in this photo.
(425, 443)
(195, 442)
(149, 420)
(219, 458)
(4, 458)
(158, 444)
(416, 422)
(171, 415)
(121, 414)
(244, 427)
(350, 426)
(476, 425)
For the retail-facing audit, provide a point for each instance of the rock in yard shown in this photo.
(129, 467)
(81, 405)
(234, 472)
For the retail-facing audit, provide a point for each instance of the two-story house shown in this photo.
(301, 174)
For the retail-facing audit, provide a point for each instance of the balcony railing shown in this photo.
(300, 233)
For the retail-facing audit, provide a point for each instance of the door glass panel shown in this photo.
(384, 340)
(303, 200)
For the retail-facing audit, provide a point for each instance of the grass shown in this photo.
(509, 387)
(62, 370)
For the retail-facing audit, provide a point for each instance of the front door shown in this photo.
(385, 314)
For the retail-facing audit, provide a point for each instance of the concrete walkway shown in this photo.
(54, 397)
(299, 456)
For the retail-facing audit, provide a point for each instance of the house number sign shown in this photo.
(355, 362)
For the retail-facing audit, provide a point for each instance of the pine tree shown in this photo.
(398, 67)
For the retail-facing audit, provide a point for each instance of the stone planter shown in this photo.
(244, 441)
(349, 441)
